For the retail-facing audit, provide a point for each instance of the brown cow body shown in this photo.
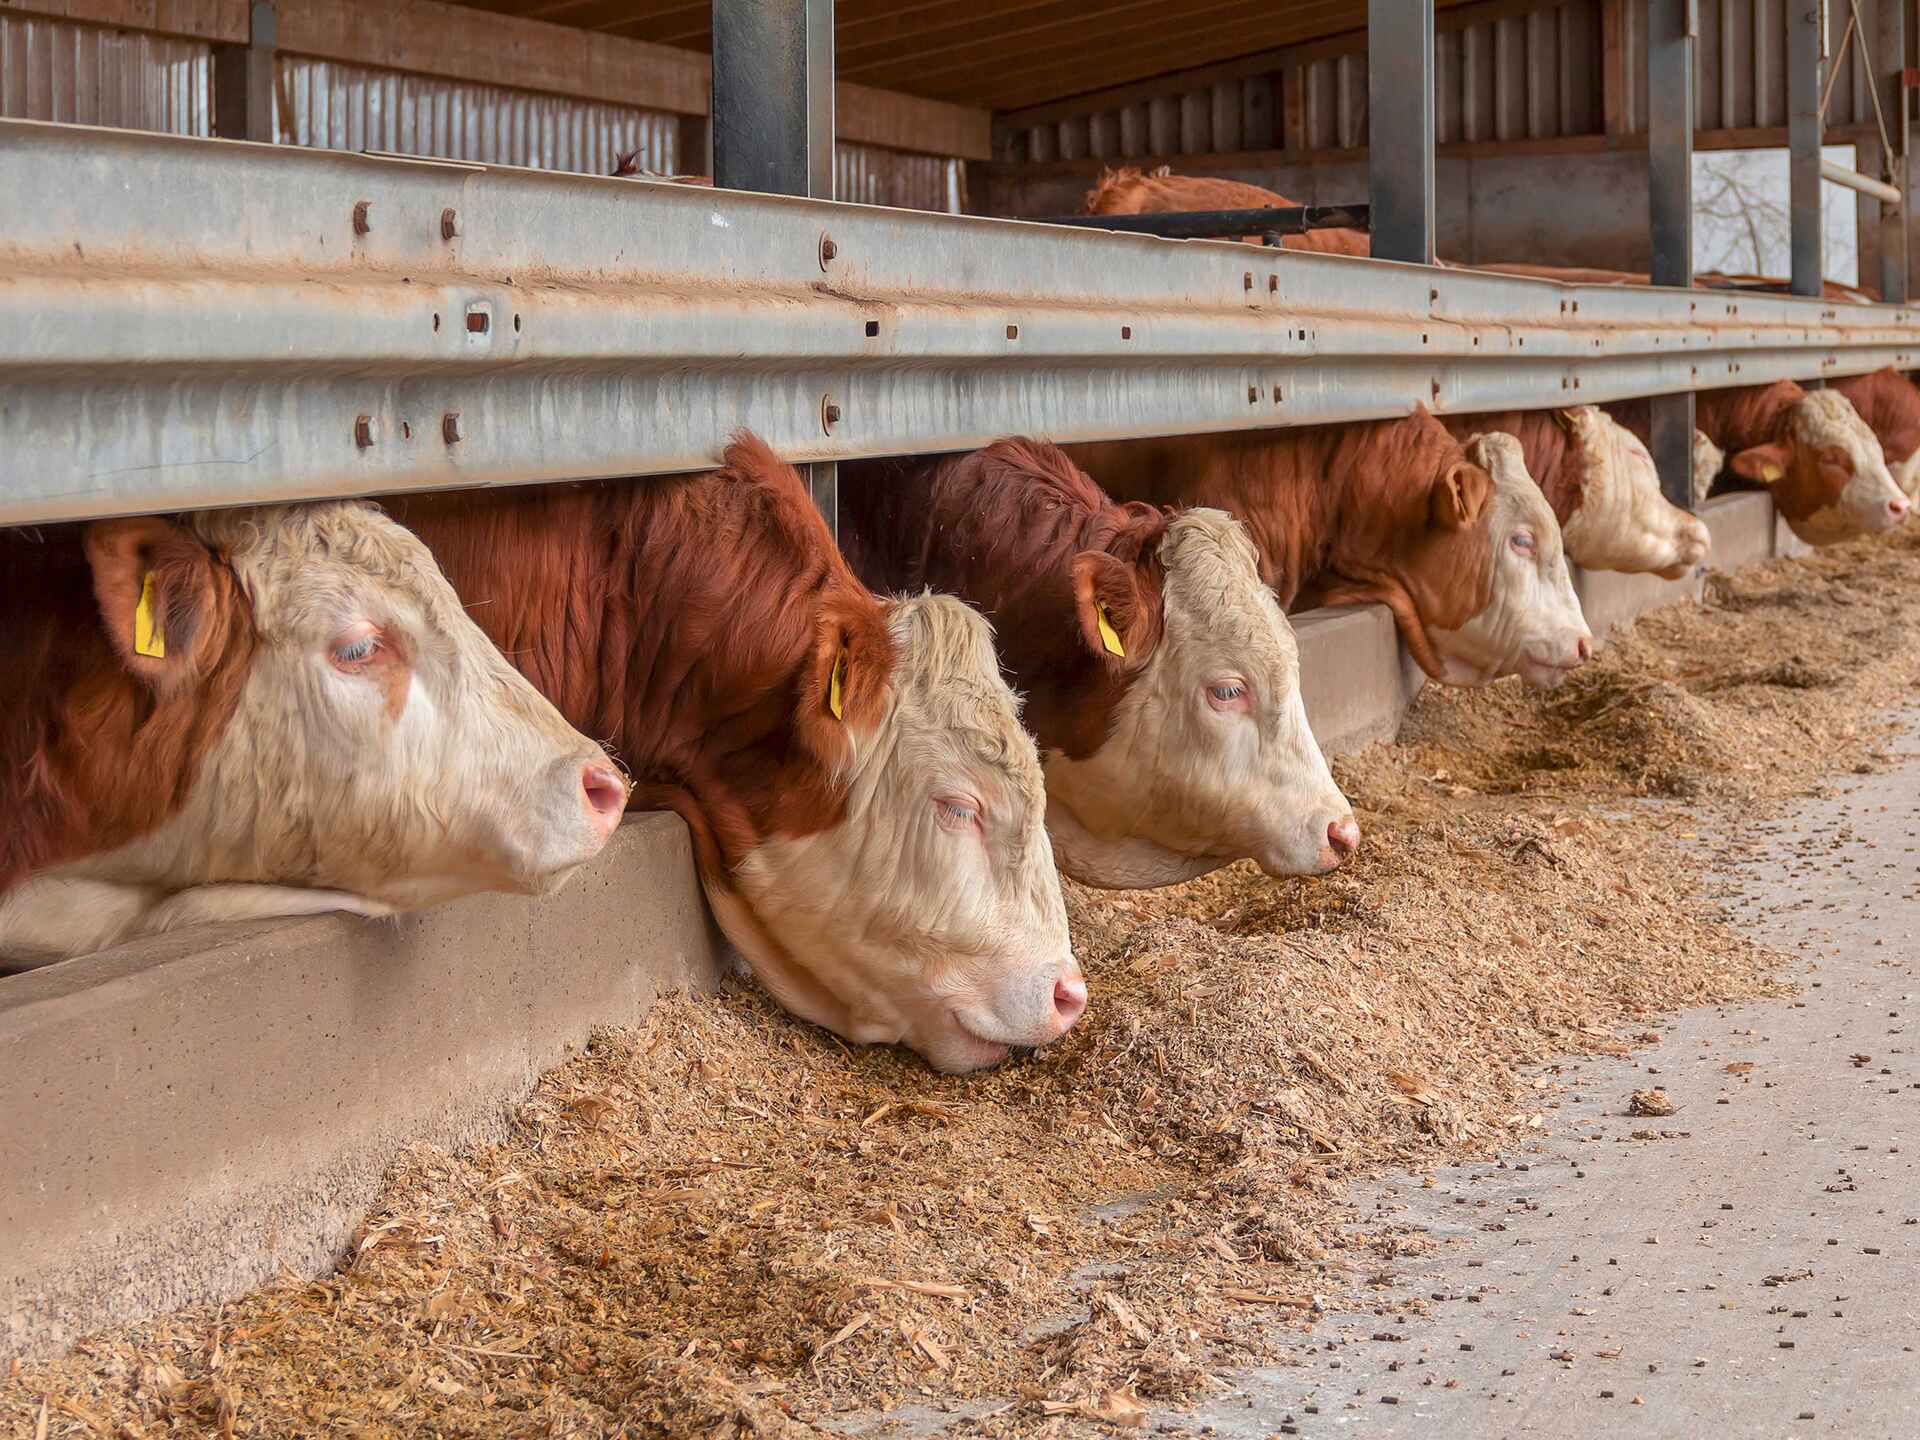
(1128, 191)
(1389, 512)
(874, 844)
(1176, 748)
(1890, 404)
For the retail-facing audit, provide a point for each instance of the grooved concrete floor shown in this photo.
(1753, 1270)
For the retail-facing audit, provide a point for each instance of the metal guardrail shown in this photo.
(192, 323)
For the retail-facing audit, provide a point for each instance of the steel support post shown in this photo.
(1400, 128)
(1672, 27)
(243, 79)
(1896, 220)
(773, 123)
(1806, 52)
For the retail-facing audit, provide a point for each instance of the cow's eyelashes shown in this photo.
(1522, 542)
(957, 812)
(356, 647)
(1227, 694)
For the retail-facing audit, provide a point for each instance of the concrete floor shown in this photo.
(1753, 1269)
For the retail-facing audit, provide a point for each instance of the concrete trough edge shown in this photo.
(191, 1115)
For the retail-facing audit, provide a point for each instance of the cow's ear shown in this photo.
(155, 585)
(1762, 464)
(844, 689)
(1459, 496)
(1118, 613)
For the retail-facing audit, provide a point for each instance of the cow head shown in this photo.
(929, 913)
(1623, 522)
(1708, 461)
(378, 745)
(1531, 625)
(1827, 471)
(1209, 758)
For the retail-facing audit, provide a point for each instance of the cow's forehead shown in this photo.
(949, 678)
(1826, 417)
(296, 560)
(1516, 498)
(1212, 593)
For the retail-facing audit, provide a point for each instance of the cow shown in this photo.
(627, 167)
(1890, 404)
(1809, 448)
(1161, 679)
(1128, 191)
(868, 815)
(1457, 541)
(258, 713)
(1601, 482)
(1708, 461)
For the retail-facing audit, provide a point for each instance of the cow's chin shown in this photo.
(1543, 674)
(955, 1048)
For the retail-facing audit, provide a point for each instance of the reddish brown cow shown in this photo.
(1463, 549)
(1127, 191)
(1162, 680)
(1823, 465)
(868, 815)
(1603, 487)
(258, 713)
(1890, 404)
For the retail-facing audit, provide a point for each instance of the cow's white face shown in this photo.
(382, 746)
(1708, 461)
(931, 914)
(1210, 758)
(1832, 456)
(1532, 627)
(1624, 522)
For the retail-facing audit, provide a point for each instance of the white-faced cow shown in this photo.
(1457, 541)
(1605, 492)
(868, 815)
(1890, 404)
(1161, 679)
(261, 713)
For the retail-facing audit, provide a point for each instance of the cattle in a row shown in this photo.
(1161, 679)
(261, 713)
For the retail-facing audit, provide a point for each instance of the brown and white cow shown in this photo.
(868, 815)
(1604, 489)
(1810, 448)
(1708, 461)
(1458, 542)
(1161, 679)
(1128, 191)
(1890, 404)
(260, 713)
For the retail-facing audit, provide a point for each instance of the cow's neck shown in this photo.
(1737, 419)
(91, 757)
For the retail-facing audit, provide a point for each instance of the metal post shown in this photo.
(243, 79)
(1806, 46)
(1890, 57)
(773, 131)
(1672, 27)
(1400, 128)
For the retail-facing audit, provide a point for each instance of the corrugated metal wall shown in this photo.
(55, 70)
(82, 75)
(1534, 76)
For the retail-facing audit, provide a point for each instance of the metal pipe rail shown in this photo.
(1270, 220)
(1835, 173)
(190, 323)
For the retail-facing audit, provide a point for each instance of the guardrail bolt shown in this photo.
(449, 223)
(829, 414)
(366, 432)
(828, 251)
(362, 217)
(451, 428)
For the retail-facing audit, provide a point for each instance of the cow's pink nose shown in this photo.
(606, 792)
(1583, 647)
(1344, 836)
(1069, 999)
(1897, 508)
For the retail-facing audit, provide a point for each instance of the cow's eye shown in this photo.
(957, 812)
(356, 646)
(1522, 542)
(1227, 694)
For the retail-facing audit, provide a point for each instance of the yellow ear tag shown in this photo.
(147, 639)
(1109, 636)
(1770, 473)
(839, 679)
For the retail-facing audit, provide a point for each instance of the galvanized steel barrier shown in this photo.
(191, 323)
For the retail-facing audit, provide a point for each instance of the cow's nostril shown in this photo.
(1344, 836)
(1069, 999)
(606, 793)
(1897, 509)
(1584, 648)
